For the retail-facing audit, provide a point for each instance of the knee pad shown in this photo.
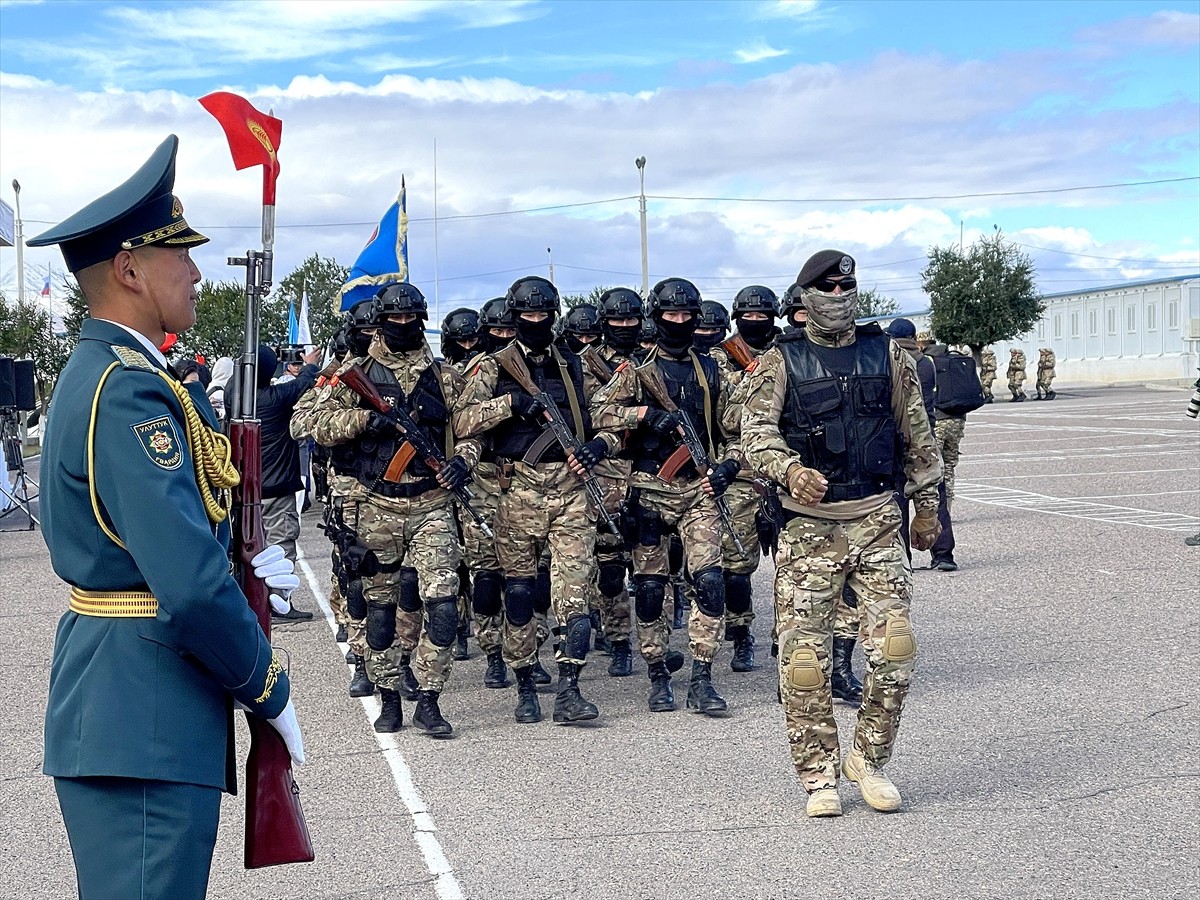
(651, 591)
(737, 593)
(441, 620)
(356, 603)
(381, 625)
(899, 642)
(487, 598)
(710, 591)
(541, 591)
(518, 601)
(675, 554)
(579, 635)
(612, 578)
(409, 596)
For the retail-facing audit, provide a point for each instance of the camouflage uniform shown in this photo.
(987, 373)
(829, 543)
(1045, 373)
(1016, 374)
(416, 530)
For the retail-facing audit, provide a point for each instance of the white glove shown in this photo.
(287, 726)
(273, 567)
(279, 605)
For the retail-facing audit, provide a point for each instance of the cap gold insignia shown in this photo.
(176, 208)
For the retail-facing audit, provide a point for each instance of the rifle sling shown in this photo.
(514, 364)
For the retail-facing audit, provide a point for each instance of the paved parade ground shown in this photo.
(1048, 747)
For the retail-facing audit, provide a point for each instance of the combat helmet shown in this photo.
(756, 298)
(583, 318)
(713, 315)
(674, 293)
(620, 303)
(460, 324)
(496, 314)
(400, 298)
(532, 294)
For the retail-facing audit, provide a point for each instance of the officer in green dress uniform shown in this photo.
(158, 641)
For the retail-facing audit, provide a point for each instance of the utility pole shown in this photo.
(640, 162)
(20, 246)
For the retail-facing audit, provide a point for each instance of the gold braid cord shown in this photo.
(211, 456)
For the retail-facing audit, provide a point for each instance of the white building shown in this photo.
(1132, 332)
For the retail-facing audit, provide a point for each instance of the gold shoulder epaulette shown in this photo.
(132, 359)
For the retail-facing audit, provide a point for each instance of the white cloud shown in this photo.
(789, 9)
(757, 52)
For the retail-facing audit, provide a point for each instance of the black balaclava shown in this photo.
(622, 338)
(456, 352)
(492, 343)
(402, 337)
(756, 332)
(358, 341)
(574, 344)
(705, 342)
(536, 335)
(675, 338)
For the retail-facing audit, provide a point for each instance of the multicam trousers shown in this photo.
(546, 507)
(949, 433)
(420, 533)
(816, 556)
(612, 555)
(479, 550)
(692, 513)
(743, 505)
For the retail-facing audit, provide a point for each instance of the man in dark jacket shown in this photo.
(281, 476)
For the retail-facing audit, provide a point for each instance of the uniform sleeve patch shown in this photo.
(160, 440)
(131, 358)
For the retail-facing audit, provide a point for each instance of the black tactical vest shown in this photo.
(838, 412)
(427, 407)
(646, 447)
(511, 438)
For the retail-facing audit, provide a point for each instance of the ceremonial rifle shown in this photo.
(692, 450)
(415, 440)
(276, 832)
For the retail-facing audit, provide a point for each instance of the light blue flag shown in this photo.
(293, 325)
(384, 260)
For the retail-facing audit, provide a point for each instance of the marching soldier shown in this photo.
(987, 373)
(405, 517)
(496, 320)
(159, 641)
(711, 327)
(1016, 374)
(651, 402)
(543, 504)
(460, 336)
(1045, 374)
(832, 413)
(581, 329)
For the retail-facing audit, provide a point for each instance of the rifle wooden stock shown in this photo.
(739, 351)
(276, 832)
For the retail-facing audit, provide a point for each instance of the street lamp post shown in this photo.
(20, 246)
(640, 162)
(550, 259)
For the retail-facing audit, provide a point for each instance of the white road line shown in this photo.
(1182, 431)
(424, 828)
(1154, 494)
(1080, 474)
(993, 495)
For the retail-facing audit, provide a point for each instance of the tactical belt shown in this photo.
(114, 604)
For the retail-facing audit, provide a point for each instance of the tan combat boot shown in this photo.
(876, 788)
(823, 803)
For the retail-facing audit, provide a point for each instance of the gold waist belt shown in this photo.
(114, 604)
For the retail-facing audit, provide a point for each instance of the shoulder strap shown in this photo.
(709, 414)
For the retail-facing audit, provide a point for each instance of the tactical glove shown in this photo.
(663, 423)
(722, 476)
(378, 425)
(525, 405)
(806, 485)
(924, 530)
(454, 474)
(590, 454)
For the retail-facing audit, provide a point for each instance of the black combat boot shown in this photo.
(361, 684)
(460, 642)
(622, 660)
(391, 716)
(601, 643)
(743, 648)
(429, 717)
(496, 675)
(702, 696)
(408, 681)
(662, 699)
(528, 709)
(570, 705)
(341, 635)
(540, 675)
(842, 682)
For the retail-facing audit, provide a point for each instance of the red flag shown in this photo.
(253, 136)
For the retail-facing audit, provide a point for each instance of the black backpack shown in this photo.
(958, 390)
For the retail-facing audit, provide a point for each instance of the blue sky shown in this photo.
(831, 111)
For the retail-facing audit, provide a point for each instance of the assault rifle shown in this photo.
(557, 430)
(415, 440)
(692, 450)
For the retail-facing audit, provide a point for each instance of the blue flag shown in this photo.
(293, 326)
(384, 261)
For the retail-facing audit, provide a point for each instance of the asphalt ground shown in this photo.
(1047, 749)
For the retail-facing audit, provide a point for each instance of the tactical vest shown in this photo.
(838, 417)
(647, 448)
(371, 455)
(511, 438)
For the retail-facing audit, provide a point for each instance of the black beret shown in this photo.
(141, 212)
(825, 262)
(902, 328)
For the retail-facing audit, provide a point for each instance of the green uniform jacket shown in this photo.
(141, 697)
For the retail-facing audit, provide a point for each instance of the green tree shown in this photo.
(871, 303)
(986, 295)
(220, 321)
(320, 278)
(592, 297)
(25, 334)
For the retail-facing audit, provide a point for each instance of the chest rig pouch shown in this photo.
(837, 414)
(512, 438)
(428, 409)
(692, 384)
